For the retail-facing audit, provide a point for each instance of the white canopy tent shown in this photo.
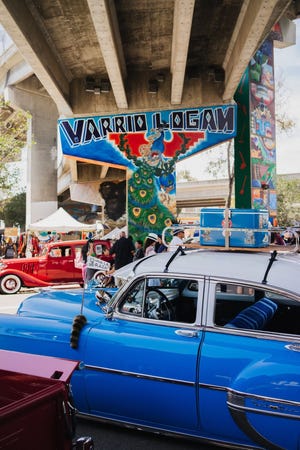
(61, 222)
(115, 233)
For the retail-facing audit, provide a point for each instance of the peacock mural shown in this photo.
(152, 184)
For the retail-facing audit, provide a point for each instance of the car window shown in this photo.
(162, 298)
(61, 252)
(243, 307)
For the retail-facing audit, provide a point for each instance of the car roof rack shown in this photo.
(193, 234)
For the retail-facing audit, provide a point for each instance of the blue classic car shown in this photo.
(201, 344)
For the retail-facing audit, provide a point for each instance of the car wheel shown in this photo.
(10, 284)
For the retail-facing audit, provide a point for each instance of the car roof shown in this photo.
(246, 266)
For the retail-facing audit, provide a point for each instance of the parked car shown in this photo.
(36, 404)
(60, 263)
(202, 344)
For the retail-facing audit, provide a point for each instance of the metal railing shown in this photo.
(199, 237)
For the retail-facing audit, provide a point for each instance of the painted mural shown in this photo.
(262, 128)
(148, 145)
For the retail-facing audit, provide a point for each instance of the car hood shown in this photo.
(63, 305)
(17, 261)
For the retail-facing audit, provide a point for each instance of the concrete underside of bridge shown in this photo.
(95, 57)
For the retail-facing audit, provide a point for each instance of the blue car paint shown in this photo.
(244, 366)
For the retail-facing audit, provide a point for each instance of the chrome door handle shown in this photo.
(187, 333)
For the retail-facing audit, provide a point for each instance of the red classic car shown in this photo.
(36, 408)
(60, 263)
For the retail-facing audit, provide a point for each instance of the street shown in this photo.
(108, 437)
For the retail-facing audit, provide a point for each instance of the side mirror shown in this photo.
(102, 296)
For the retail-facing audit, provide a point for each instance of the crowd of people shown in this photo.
(26, 245)
(124, 251)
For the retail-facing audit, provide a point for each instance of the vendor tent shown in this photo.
(61, 222)
(113, 234)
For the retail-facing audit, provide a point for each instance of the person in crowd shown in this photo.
(22, 245)
(149, 245)
(139, 251)
(159, 246)
(177, 239)
(86, 251)
(288, 236)
(123, 250)
(278, 240)
(10, 250)
(106, 256)
(35, 249)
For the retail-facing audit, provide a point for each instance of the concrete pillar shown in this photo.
(41, 185)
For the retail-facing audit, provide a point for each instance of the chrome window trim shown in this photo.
(135, 318)
(128, 373)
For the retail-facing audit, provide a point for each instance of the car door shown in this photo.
(142, 364)
(60, 263)
(249, 389)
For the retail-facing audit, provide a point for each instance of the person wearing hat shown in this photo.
(177, 239)
(149, 245)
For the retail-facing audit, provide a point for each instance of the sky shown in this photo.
(287, 70)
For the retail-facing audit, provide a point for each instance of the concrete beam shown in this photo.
(182, 24)
(104, 17)
(16, 17)
(247, 35)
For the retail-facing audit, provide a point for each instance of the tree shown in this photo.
(185, 175)
(288, 201)
(13, 210)
(224, 167)
(13, 137)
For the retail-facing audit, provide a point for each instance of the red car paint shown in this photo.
(35, 403)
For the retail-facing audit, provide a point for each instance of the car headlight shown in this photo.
(2, 265)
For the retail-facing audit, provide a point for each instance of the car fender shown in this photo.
(268, 389)
(65, 304)
(27, 279)
(50, 338)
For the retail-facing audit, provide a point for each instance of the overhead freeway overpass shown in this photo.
(70, 58)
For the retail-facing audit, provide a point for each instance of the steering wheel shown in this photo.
(158, 305)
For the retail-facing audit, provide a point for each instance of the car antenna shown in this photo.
(179, 250)
(272, 259)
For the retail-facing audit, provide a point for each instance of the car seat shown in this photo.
(256, 316)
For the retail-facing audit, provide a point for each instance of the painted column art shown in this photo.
(255, 144)
(262, 128)
(148, 145)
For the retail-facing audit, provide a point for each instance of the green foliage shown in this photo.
(13, 137)
(185, 175)
(288, 201)
(13, 211)
(224, 166)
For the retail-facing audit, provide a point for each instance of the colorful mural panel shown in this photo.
(149, 145)
(262, 128)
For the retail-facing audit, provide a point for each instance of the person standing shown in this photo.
(123, 249)
(10, 250)
(177, 240)
(159, 246)
(149, 246)
(139, 251)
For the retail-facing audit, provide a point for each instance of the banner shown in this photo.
(98, 264)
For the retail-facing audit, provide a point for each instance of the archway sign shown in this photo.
(148, 145)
